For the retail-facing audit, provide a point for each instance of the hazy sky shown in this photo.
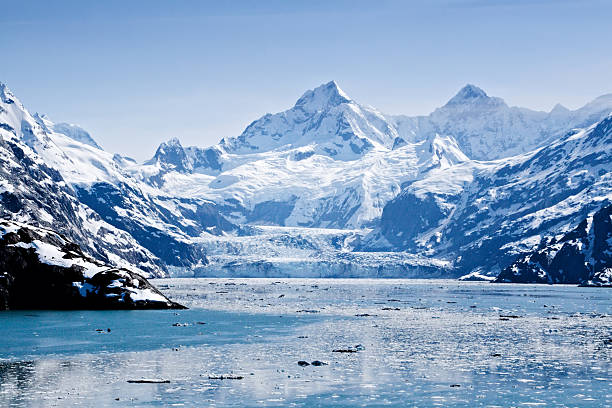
(135, 73)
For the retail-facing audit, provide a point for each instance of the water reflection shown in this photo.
(553, 351)
(15, 380)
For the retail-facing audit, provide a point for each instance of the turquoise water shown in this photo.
(422, 343)
(37, 334)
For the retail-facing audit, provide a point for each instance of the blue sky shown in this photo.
(135, 73)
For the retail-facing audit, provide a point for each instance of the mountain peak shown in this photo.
(559, 109)
(74, 132)
(171, 154)
(173, 142)
(6, 96)
(471, 95)
(323, 96)
(468, 93)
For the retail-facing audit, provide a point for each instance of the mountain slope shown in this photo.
(583, 255)
(162, 224)
(33, 192)
(483, 214)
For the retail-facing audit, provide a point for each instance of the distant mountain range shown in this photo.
(469, 188)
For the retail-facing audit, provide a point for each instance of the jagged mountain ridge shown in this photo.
(302, 164)
(486, 128)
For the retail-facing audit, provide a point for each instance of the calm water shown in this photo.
(421, 343)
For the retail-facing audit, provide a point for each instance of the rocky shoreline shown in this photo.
(41, 269)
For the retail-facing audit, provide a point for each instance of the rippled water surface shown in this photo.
(414, 343)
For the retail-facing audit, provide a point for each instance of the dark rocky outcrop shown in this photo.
(41, 269)
(582, 256)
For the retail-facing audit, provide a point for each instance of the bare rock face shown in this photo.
(583, 256)
(41, 269)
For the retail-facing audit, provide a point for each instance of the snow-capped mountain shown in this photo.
(324, 119)
(95, 181)
(471, 186)
(486, 128)
(326, 162)
(331, 162)
(484, 214)
(33, 192)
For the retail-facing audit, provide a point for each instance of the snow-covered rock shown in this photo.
(583, 255)
(41, 269)
(476, 277)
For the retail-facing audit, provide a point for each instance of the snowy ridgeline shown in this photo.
(344, 190)
(332, 162)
